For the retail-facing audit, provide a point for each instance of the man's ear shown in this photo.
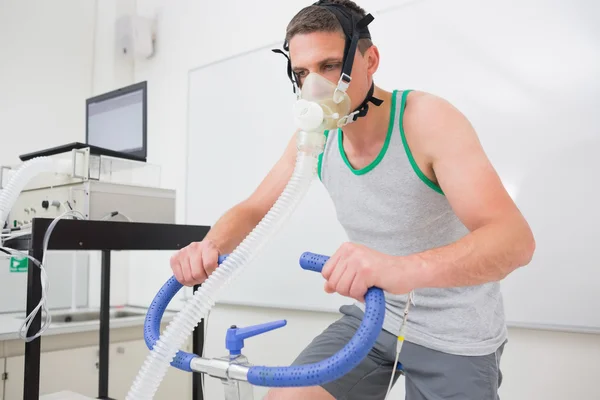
(372, 56)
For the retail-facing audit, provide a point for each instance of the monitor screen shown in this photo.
(117, 120)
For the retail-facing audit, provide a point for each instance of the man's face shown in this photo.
(323, 53)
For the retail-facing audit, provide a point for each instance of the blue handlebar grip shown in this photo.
(312, 261)
(154, 316)
(344, 360)
(336, 366)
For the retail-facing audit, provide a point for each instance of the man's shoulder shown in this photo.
(432, 126)
(427, 112)
(425, 103)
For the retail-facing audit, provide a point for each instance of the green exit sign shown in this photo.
(18, 264)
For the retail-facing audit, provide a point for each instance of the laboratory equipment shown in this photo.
(117, 121)
(92, 186)
(95, 185)
(95, 200)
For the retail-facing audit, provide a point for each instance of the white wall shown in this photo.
(46, 64)
(110, 70)
(536, 364)
(54, 55)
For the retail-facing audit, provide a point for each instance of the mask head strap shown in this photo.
(354, 30)
(362, 109)
(291, 75)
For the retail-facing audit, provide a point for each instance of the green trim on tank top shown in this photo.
(386, 144)
(320, 163)
(413, 163)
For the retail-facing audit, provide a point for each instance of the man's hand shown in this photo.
(354, 268)
(193, 264)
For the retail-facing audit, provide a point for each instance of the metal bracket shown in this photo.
(85, 153)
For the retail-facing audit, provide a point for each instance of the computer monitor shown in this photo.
(117, 121)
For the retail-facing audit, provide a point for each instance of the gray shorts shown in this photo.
(429, 374)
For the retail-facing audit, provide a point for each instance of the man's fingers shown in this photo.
(197, 268)
(329, 288)
(176, 268)
(186, 268)
(358, 290)
(345, 283)
(337, 273)
(330, 265)
(210, 260)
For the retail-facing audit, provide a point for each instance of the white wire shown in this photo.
(393, 372)
(126, 217)
(110, 215)
(14, 252)
(401, 335)
(204, 351)
(45, 282)
(8, 236)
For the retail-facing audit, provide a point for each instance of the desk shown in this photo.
(104, 236)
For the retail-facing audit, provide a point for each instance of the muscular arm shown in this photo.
(500, 239)
(238, 222)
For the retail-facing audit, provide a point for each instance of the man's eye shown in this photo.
(301, 74)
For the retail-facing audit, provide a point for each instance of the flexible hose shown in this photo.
(20, 179)
(154, 317)
(180, 328)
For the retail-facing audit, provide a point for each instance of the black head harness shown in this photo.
(355, 28)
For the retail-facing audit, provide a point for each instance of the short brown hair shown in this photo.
(319, 19)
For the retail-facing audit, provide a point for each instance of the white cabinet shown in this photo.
(126, 359)
(76, 370)
(60, 273)
(72, 369)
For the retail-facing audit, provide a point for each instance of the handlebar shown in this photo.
(314, 374)
(155, 313)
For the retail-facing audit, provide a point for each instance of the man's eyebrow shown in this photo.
(328, 60)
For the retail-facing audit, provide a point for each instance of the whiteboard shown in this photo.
(525, 73)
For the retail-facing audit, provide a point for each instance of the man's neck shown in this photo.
(372, 127)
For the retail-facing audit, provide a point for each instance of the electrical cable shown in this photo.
(42, 305)
(204, 350)
(401, 336)
(45, 285)
(114, 214)
(8, 236)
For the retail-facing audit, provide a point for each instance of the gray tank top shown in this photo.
(392, 207)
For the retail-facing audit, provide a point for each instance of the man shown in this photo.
(424, 211)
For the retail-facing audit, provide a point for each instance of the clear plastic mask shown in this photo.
(320, 106)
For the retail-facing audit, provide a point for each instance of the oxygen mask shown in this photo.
(321, 105)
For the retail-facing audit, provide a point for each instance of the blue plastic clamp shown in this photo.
(234, 340)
